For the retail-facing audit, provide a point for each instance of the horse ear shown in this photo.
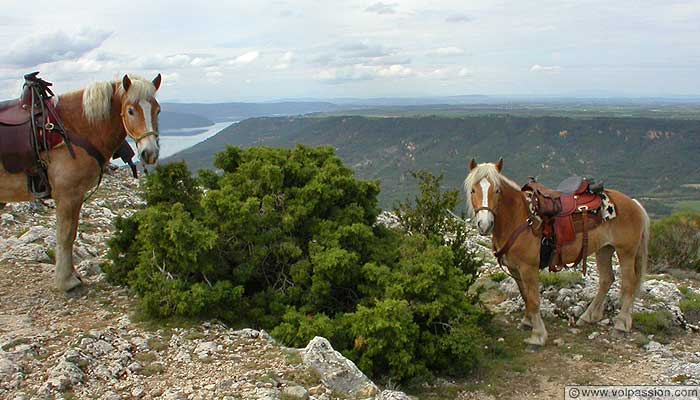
(126, 83)
(472, 164)
(156, 81)
(499, 164)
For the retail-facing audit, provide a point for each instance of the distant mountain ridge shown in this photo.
(220, 112)
(169, 120)
(644, 157)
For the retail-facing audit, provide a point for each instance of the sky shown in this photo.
(213, 51)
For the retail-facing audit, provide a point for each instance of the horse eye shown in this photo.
(498, 190)
(130, 111)
(473, 191)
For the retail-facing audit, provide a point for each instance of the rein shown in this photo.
(511, 241)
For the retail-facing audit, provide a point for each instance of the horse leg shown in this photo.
(525, 323)
(67, 215)
(629, 284)
(594, 312)
(531, 286)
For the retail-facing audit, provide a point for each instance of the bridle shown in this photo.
(131, 135)
(499, 253)
(144, 136)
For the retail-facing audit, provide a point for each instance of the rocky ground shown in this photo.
(91, 345)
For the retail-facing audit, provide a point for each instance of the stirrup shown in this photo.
(38, 185)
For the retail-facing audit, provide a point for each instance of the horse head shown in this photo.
(139, 114)
(483, 187)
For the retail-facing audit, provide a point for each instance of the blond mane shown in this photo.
(488, 171)
(97, 97)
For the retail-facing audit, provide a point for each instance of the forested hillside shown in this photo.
(654, 159)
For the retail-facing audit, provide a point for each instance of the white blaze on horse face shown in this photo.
(148, 147)
(147, 116)
(484, 218)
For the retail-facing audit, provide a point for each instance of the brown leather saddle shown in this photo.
(31, 125)
(16, 152)
(574, 207)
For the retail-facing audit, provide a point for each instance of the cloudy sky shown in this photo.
(261, 50)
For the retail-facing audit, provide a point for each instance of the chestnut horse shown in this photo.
(503, 207)
(103, 114)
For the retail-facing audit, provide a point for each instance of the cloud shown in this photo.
(159, 61)
(382, 8)
(395, 71)
(447, 73)
(360, 49)
(355, 53)
(171, 79)
(344, 74)
(446, 51)
(552, 69)
(45, 47)
(361, 72)
(284, 61)
(459, 18)
(245, 58)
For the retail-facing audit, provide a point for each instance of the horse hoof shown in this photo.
(623, 325)
(525, 327)
(533, 348)
(619, 334)
(70, 284)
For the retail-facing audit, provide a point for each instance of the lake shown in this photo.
(178, 140)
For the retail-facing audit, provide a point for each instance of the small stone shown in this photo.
(593, 335)
(138, 392)
(295, 392)
(606, 321)
(393, 395)
(110, 395)
(7, 219)
(559, 342)
(577, 357)
(316, 390)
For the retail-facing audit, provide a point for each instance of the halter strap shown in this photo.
(144, 136)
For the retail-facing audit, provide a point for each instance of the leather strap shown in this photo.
(511, 241)
(87, 146)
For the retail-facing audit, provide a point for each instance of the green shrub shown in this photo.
(675, 242)
(690, 305)
(656, 322)
(564, 279)
(499, 276)
(287, 240)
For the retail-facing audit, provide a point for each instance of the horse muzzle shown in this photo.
(148, 148)
(484, 222)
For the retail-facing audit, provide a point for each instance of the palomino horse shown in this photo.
(503, 207)
(101, 114)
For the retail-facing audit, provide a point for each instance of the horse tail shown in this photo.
(642, 257)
